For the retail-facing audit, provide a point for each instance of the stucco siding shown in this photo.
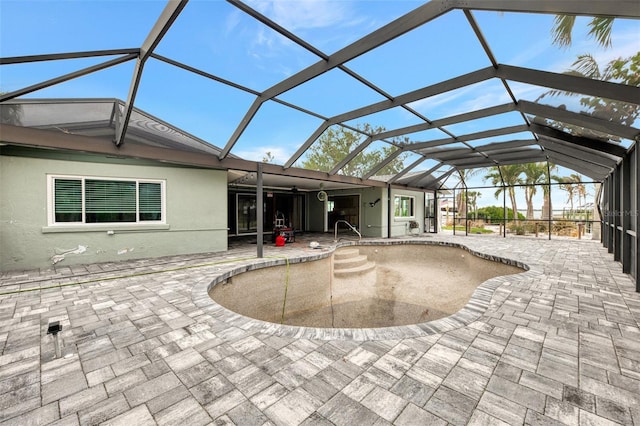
(196, 215)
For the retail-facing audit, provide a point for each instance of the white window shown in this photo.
(404, 206)
(94, 200)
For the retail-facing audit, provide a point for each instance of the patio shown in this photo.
(558, 344)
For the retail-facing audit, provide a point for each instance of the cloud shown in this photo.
(231, 22)
(527, 56)
(300, 17)
(303, 14)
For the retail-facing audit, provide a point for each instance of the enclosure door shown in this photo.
(430, 211)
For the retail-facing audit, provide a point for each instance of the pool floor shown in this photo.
(390, 285)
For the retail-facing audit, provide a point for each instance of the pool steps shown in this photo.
(349, 262)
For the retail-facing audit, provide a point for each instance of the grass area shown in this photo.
(473, 230)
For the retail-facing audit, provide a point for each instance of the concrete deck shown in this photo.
(141, 344)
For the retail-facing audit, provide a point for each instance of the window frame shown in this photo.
(412, 206)
(51, 212)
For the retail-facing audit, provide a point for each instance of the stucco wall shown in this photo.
(316, 210)
(196, 214)
(373, 219)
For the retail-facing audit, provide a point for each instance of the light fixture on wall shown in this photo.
(322, 196)
(371, 204)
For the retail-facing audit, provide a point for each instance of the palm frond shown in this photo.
(586, 66)
(600, 30)
(561, 30)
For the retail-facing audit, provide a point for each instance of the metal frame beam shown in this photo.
(407, 169)
(67, 77)
(493, 154)
(580, 158)
(623, 9)
(392, 30)
(248, 116)
(488, 148)
(578, 119)
(475, 163)
(625, 222)
(425, 174)
(500, 146)
(528, 155)
(602, 146)
(418, 146)
(454, 83)
(350, 156)
(570, 83)
(636, 160)
(310, 48)
(454, 119)
(71, 55)
(416, 95)
(310, 140)
(579, 153)
(592, 171)
(162, 25)
(428, 182)
(383, 163)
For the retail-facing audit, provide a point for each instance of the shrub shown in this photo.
(517, 228)
(496, 214)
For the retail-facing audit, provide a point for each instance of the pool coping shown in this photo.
(476, 306)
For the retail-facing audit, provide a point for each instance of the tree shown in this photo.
(547, 208)
(622, 70)
(337, 142)
(509, 176)
(599, 29)
(461, 203)
(581, 191)
(537, 174)
(573, 186)
(473, 201)
(268, 157)
(495, 214)
(534, 174)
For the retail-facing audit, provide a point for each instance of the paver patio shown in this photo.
(141, 344)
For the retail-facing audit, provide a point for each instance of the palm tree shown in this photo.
(534, 174)
(461, 203)
(547, 209)
(572, 184)
(509, 176)
(581, 192)
(600, 30)
(623, 70)
(571, 191)
(473, 196)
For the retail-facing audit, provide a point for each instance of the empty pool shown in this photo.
(362, 286)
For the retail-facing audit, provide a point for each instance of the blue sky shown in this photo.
(218, 38)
